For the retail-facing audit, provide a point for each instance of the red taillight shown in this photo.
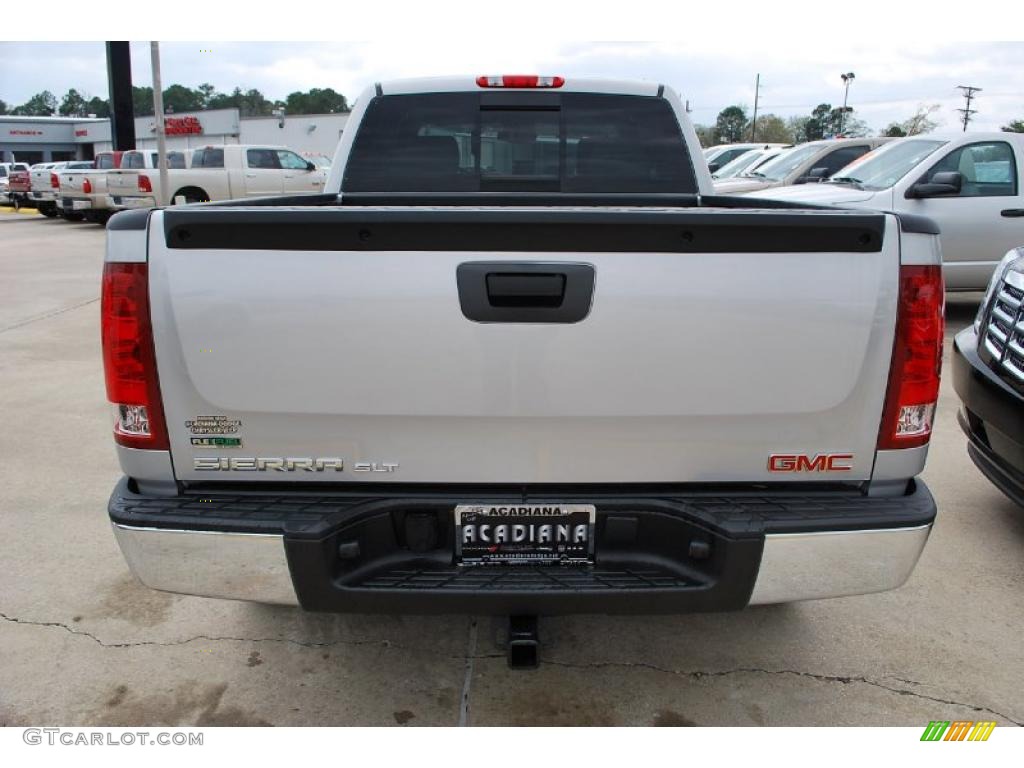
(129, 362)
(86, 186)
(916, 360)
(144, 183)
(54, 181)
(519, 81)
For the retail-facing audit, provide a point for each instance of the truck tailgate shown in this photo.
(710, 341)
(124, 182)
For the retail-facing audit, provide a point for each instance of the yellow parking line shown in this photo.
(26, 211)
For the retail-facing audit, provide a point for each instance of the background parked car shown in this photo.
(45, 183)
(18, 185)
(988, 375)
(5, 172)
(968, 183)
(748, 161)
(226, 172)
(83, 193)
(132, 185)
(721, 154)
(810, 162)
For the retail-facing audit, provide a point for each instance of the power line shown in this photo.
(968, 92)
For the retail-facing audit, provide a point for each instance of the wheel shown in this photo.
(48, 209)
(72, 216)
(191, 195)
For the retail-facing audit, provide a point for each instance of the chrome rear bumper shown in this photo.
(237, 566)
(253, 566)
(809, 566)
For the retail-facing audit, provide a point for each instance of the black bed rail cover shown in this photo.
(565, 230)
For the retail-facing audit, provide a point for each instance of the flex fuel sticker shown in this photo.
(213, 425)
(217, 442)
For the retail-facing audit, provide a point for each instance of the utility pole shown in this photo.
(119, 78)
(968, 92)
(161, 131)
(757, 93)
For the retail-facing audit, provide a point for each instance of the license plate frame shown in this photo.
(533, 535)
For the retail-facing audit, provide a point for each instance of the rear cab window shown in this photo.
(133, 160)
(208, 158)
(519, 142)
(105, 162)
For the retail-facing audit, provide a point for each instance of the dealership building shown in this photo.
(45, 139)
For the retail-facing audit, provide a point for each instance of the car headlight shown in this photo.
(997, 277)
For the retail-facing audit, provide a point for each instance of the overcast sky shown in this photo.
(891, 79)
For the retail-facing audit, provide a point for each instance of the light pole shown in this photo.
(847, 79)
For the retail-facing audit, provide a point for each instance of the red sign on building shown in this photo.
(180, 126)
(82, 132)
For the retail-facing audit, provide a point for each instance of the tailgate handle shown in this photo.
(525, 292)
(525, 289)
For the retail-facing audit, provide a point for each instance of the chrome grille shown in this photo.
(1004, 334)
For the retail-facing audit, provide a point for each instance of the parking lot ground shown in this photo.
(83, 644)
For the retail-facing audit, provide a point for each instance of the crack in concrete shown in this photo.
(468, 680)
(471, 656)
(842, 679)
(210, 638)
(46, 315)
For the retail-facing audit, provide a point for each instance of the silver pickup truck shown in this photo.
(518, 359)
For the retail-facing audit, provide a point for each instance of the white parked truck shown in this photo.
(45, 183)
(221, 173)
(83, 192)
(132, 185)
(519, 359)
(968, 183)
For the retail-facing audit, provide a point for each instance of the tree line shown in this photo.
(734, 124)
(181, 98)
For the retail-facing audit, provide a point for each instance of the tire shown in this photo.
(49, 210)
(72, 216)
(191, 195)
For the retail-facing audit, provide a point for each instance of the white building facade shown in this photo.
(45, 139)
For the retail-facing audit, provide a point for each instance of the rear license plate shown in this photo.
(524, 534)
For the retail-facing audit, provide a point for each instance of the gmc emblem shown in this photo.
(801, 462)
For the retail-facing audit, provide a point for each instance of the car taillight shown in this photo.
(519, 81)
(86, 186)
(144, 183)
(54, 181)
(129, 362)
(916, 360)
